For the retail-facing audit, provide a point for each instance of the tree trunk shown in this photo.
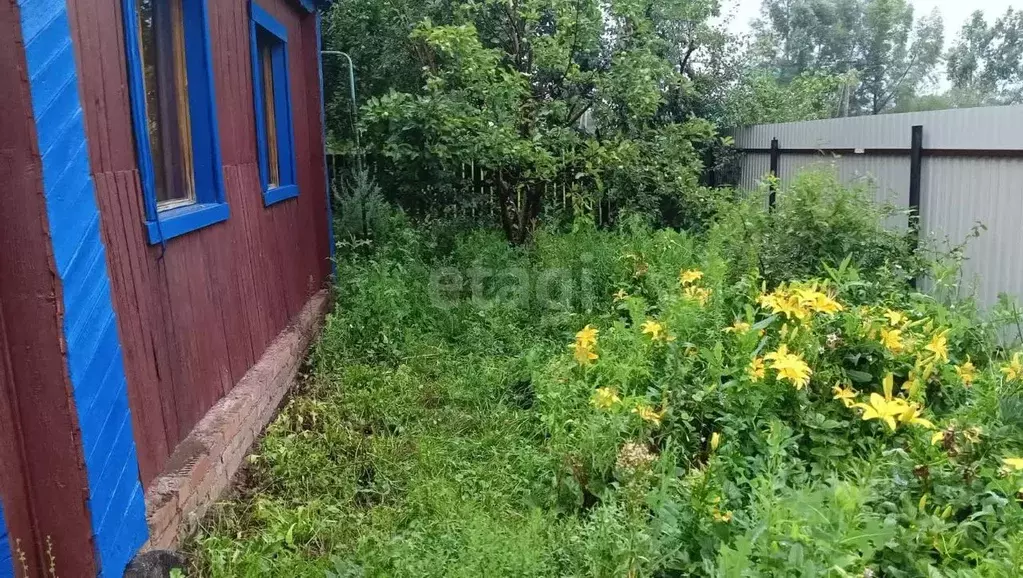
(506, 208)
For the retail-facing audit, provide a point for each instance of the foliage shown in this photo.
(988, 59)
(951, 98)
(639, 402)
(817, 221)
(360, 211)
(535, 94)
(760, 98)
(375, 33)
(893, 54)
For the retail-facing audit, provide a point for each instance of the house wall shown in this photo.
(36, 414)
(69, 480)
(195, 316)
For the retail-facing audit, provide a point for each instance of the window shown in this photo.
(275, 140)
(173, 114)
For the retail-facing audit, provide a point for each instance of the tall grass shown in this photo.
(445, 429)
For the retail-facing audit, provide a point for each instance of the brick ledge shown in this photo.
(202, 465)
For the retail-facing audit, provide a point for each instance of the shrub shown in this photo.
(816, 221)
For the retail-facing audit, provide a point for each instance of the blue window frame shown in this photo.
(271, 89)
(177, 146)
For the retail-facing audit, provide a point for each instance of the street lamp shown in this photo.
(355, 106)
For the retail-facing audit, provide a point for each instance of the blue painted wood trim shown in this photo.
(323, 140)
(269, 23)
(262, 21)
(182, 220)
(93, 349)
(278, 194)
(209, 175)
(137, 99)
(6, 553)
(311, 6)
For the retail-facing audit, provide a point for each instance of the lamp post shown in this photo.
(355, 106)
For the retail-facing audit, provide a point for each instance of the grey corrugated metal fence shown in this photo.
(970, 171)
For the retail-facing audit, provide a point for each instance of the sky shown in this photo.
(954, 12)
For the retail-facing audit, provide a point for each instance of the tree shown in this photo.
(375, 33)
(799, 36)
(507, 85)
(895, 58)
(893, 54)
(761, 98)
(988, 60)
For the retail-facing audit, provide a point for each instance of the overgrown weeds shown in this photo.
(637, 402)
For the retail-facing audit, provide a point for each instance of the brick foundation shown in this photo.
(202, 466)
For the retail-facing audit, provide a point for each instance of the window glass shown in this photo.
(275, 139)
(165, 80)
(269, 112)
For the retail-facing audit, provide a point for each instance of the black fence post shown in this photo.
(916, 147)
(775, 160)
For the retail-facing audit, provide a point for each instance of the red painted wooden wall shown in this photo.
(194, 319)
(42, 473)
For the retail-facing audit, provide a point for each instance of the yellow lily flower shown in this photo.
(756, 369)
(817, 301)
(738, 327)
(888, 385)
(893, 410)
(826, 304)
(892, 340)
(878, 408)
(895, 318)
(587, 336)
(690, 276)
(769, 301)
(788, 305)
(605, 398)
(654, 329)
(699, 294)
(647, 413)
(846, 394)
(1013, 370)
(911, 416)
(715, 441)
(583, 355)
(1014, 463)
(939, 345)
(966, 372)
(789, 366)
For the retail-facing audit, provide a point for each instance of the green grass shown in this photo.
(446, 431)
(413, 449)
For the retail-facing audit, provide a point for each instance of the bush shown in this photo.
(360, 211)
(818, 221)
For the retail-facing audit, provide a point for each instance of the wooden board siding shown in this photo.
(42, 479)
(195, 317)
(6, 553)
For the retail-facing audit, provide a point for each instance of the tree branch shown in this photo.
(571, 51)
(513, 25)
(572, 118)
(879, 106)
(683, 65)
